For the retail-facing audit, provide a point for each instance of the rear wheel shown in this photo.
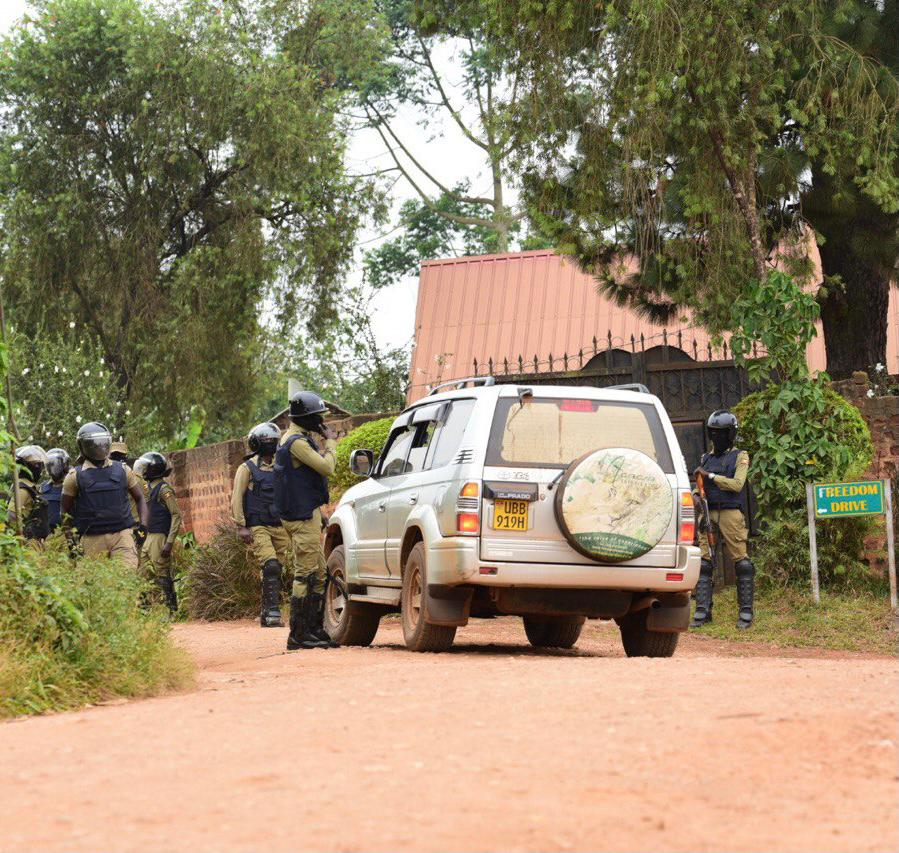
(559, 633)
(349, 623)
(640, 642)
(419, 634)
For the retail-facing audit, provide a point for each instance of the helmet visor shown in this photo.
(95, 446)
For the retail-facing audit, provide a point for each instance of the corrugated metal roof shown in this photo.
(533, 305)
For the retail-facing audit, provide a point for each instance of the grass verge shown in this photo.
(73, 633)
(858, 621)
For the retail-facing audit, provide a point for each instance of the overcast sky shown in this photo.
(440, 145)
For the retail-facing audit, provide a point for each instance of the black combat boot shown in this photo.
(167, 585)
(703, 595)
(317, 628)
(745, 573)
(271, 595)
(299, 637)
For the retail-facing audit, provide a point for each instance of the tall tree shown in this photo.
(682, 132)
(480, 105)
(858, 238)
(167, 175)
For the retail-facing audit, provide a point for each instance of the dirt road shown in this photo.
(490, 747)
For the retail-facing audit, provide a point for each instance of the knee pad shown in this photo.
(706, 568)
(271, 569)
(744, 568)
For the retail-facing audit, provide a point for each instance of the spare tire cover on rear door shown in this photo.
(614, 504)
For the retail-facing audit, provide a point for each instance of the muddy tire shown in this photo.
(349, 623)
(418, 633)
(640, 642)
(553, 633)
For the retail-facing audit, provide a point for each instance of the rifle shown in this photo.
(705, 521)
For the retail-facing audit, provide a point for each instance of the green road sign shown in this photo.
(838, 500)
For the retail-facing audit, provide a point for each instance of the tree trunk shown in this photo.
(854, 318)
(861, 246)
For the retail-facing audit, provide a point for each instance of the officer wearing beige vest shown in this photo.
(723, 473)
(301, 489)
(95, 498)
(252, 508)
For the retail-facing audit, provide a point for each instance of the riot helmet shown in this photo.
(32, 459)
(263, 438)
(58, 464)
(722, 426)
(154, 465)
(140, 466)
(305, 403)
(94, 442)
(119, 451)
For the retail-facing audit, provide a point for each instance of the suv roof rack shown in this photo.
(456, 384)
(628, 386)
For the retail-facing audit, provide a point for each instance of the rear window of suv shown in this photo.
(547, 432)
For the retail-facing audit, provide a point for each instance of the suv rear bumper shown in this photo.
(456, 560)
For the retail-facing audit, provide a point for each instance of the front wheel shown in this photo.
(560, 633)
(419, 634)
(640, 642)
(348, 623)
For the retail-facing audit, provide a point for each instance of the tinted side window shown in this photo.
(424, 435)
(394, 459)
(446, 443)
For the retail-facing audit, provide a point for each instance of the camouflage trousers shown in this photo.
(309, 571)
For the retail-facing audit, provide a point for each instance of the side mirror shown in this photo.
(362, 462)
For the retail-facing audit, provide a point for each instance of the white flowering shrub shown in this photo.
(60, 383)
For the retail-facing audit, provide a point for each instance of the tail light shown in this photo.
(468, 509)
(686, 531)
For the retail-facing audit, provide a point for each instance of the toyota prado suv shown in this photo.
(551, 503)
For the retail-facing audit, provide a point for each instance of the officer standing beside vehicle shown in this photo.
(258, 525)
(723, 473)
(164, 526)
(95, 497)
(301, 489)
(30, 461)
(58, 465)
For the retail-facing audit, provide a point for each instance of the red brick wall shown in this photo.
(203, 477)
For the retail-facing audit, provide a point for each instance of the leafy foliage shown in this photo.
(370, 436)
(798, 430)
(685, 131)
(782, 554)
(165, 172)
(72, 633)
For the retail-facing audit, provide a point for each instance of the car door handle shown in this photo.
(413, 499)
(382, 506)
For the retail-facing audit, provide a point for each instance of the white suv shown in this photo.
(552, 503)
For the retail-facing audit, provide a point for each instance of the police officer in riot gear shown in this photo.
(30, 460)
(58, 465)
(301, 489)
(164, 526)
(95, 496)
(252, 508)
(724, 473)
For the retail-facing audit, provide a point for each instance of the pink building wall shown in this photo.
(535, 304)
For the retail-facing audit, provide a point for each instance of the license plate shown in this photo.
(510, 515)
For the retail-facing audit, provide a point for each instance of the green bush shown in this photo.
(74, 633)
(370, 436)
(781, 554)
(782, 464)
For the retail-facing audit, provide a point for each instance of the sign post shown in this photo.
(847, 500)
(813, 542)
